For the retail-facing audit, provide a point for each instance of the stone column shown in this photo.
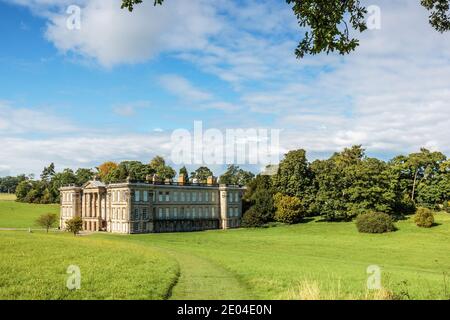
(223, 199)
(95, 205)
(89, 204)
(83, 205)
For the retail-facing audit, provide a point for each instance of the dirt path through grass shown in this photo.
(204, 280)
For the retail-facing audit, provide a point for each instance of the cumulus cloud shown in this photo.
(112, 36)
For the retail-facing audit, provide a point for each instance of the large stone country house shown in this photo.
(144, 207)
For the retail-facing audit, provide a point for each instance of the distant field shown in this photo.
(314, 260)
(22, 215)
(34, 266)
(7, 197)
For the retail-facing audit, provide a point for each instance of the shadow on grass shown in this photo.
(436, 224)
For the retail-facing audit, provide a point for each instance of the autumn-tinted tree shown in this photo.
(105, 170)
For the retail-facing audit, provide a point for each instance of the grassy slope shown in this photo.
(273, 262)
(245, 263)
(34, 266)
(22, 215)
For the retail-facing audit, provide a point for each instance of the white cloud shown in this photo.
(184, 89)
(14, 120)
(130, 109)
(192, 95)
(112, 36)
(82, 150)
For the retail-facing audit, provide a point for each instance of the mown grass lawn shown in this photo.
(22, 215)
(310, 260)
(34, 266)
(275, 263)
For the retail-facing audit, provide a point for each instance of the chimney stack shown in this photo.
(211, 180)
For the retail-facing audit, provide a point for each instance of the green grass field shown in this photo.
(7, 197)
(315, 260)
(34, 266)
(22, 215)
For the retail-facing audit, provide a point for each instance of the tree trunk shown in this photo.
(414, 185)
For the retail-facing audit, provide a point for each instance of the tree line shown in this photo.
(346, 185)
(45, 190)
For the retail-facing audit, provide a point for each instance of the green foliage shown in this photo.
(48, 172)
(74, 225)
(439, 13)
(84, 175)
(184, 173)
(375, 222)
(23, 189)
(446, 206)
(133, 170)
(47, 220)
(331, 22)
(328, 21)
(46, 190)
(295, 178)
(424, 218)
(129, 4)
(288, 209)
(201, 174)
(424, 176)
(259, 196)
(236, 176)
(349, 184)
(252, 219)
(106, 169)
(9, 184)
(158, 166)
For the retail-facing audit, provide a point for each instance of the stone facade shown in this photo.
(137, 207)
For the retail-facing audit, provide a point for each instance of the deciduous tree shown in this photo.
(47, 221)
(331, 23)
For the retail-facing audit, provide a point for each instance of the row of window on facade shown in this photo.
(175, 196)
(67, 197)
(174, 213)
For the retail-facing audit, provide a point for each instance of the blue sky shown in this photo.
(118, 87)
